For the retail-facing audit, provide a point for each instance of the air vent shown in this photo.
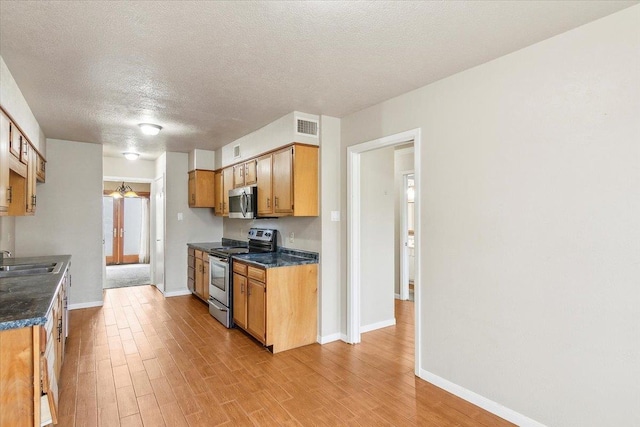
(236, 151)
(307, 127)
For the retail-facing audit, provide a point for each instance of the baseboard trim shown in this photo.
(377, 325)
(177, 293)
(81, 305)
(481, 401)
(329, 338)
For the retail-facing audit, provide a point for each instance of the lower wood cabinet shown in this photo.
(198, 273)
(277, 306)
(31, 362)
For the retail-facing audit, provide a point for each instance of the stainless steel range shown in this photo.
(220, 286)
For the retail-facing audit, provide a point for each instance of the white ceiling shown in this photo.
(211, 72)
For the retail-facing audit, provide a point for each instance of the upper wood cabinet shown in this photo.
(227, 184)
(201, 189)
(244, 174)
(40, 168)
(290, 186)
(264, 176)
(5, 193)
(19, 164)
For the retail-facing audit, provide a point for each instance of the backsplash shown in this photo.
(306, 230)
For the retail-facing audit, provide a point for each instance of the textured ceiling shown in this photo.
(211, 72)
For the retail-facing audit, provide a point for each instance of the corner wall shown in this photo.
(530, 225)
(68, 219)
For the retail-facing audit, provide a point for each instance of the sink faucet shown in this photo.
(3, 253)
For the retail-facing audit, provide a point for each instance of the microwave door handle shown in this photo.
(244, 202)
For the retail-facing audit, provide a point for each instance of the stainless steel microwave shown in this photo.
(243, 202)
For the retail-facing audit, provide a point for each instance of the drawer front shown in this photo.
(199, 254)
(191, 252)
(258, 274)
(240, 268)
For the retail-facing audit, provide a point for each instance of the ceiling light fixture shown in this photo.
(150, 129)
(123, 191)
(131, 156)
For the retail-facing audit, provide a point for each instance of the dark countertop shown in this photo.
(209, 246)
(26, 300)
(282, 258)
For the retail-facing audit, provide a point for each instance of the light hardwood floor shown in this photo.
(145, 360)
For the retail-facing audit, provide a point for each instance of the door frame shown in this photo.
(404, 241)
(353, 233)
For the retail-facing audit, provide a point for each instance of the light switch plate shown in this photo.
(180, 216)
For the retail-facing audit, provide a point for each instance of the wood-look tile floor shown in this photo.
(145, 360)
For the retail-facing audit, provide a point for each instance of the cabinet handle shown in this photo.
(268, 202)
(59, 329)
(33, 200)
(276, 200)
(121, 232)
(242, 288)
(10, 194)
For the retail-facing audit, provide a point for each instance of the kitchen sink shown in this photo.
(16, 270)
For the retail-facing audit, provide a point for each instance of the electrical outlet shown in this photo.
(291, 237)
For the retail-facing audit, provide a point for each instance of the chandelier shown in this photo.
(123, 191)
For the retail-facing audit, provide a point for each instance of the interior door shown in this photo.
(159, 246)
(123, 228)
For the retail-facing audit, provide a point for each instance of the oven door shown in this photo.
(219, 279)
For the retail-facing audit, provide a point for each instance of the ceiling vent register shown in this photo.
(307, 127)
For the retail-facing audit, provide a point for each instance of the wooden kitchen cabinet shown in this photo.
(32, 359)
(31, 181)
(244, 174)
(288, 182)
(4, 165)
(191, 269)
(41, 164)
(201, 189)
(277, 306)
(264, 178)
(227, 184)
(201, 274)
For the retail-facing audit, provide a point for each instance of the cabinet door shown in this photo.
(217, 190)
(31, 178)
(240, 300)
(4, 163)
(250, 176)
(282, 182)
(238, 176)
(199, 277)
(40, 168)
(227, 184)
(15, 141)
(192, 189)
(263, 174)
(256, 310)
(205, 278)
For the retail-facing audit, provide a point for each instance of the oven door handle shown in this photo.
(211, 301)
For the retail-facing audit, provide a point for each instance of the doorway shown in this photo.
(355, 234)
(126, 234)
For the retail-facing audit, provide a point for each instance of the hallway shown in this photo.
(145, 360)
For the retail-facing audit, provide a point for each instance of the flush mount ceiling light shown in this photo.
(123, 191)
(149, 129)
(131, 156)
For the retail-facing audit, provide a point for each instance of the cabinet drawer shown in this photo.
(191, 252)
(199, 254)
(259, 274)
(191, 273)
(240, 268)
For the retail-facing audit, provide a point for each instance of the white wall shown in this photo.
(330, 255)
(198, 225)
(403, 162)
(132, 170)
(13, 102)
(276, 134)
(68, 219)
(530, 223)
(376, 239)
